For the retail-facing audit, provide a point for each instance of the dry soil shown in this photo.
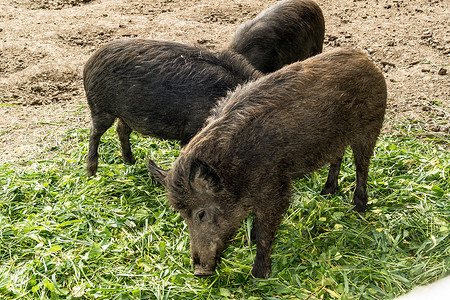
(45, 43)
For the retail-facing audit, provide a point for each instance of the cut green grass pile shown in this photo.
(113, 236)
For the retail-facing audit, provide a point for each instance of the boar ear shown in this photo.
(203, 178)
(156, 171)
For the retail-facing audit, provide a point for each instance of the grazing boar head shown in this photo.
(211, 212)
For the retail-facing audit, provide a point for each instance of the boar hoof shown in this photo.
(361, 212)
(91, 169)
(328, 191)
(129, 161)
(260, 272)
(91, 173)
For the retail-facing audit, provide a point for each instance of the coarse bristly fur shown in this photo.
(286, 32)
(166, 89)
(267, 133)
(158, 88)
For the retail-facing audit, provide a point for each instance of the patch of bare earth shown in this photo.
(45, 43)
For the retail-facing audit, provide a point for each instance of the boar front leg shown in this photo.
(100, 123)
(265, 225)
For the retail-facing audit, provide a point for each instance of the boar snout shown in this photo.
(206, 245)
(203, 270)
(204, 266)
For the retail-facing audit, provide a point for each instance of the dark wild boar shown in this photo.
(267, 133)
(289, 31)
(157, 88)
(167, 89)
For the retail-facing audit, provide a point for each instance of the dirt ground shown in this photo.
(45, 43)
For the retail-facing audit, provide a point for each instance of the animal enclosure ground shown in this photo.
(113, 236)
(45, 43)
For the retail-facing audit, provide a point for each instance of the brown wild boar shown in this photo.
(267, 133)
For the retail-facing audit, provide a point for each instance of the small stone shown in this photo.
(386, 63)
(442, 71)
(426, 34)
(332, 38)
(435, 128)
(426, 108)
(202, 41)
(447, 129)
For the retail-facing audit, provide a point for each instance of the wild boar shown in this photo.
(158, 88)
(264, 135)
(289, 31)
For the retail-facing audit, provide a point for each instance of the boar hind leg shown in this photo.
(331, 186)
(253, 232)
(124, 131)
(361, 152)
(100, 123)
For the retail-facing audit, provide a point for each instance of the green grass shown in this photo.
(113, 236)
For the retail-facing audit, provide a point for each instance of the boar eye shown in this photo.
(201, 214)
